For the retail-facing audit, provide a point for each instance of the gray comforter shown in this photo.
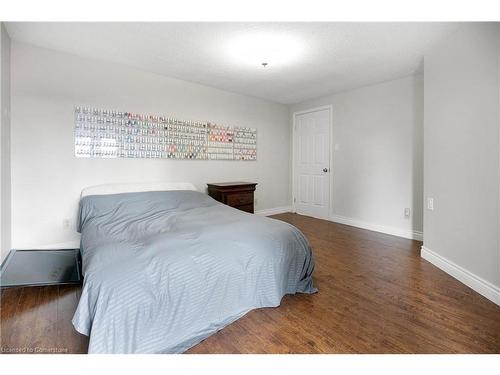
(164, 270)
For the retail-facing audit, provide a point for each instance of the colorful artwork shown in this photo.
(112, 134)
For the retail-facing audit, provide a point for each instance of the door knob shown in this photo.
(325, 170)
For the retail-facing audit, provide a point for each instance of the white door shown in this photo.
(312, 163)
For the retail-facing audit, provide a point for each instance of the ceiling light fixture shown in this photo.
(265, 49)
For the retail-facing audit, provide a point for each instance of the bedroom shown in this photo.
(250, 187)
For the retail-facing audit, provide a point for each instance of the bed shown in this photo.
(166, 266)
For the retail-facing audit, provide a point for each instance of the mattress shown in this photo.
(163, 270)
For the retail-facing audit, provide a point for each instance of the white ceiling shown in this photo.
(333, 56)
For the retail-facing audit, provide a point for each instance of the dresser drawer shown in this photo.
(239, 199)
(235, 194)
(246, 208)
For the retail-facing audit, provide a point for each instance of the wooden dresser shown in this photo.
(235, 194)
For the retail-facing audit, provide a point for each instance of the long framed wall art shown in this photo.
(101, 133)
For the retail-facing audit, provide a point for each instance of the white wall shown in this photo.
(47, 178)
(462, 156)
(5, 189)
(377, 168)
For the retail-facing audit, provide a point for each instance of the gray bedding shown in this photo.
(164, 270)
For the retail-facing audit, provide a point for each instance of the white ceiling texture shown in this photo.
(305, 60)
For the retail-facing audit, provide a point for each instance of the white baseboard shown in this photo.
(274, 211)
(483, 287)
(410, 234)
(74, 244)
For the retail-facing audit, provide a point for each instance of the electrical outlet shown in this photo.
(66, 223)
(407, 213)
(430, 204)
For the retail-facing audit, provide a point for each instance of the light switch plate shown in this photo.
(430, 204)
(407, 212)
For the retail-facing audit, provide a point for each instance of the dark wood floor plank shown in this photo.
(22, 322)
(43, 333)
(68, 339)
(8, 305)
(376, 295)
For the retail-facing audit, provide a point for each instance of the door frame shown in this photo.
(328, 107)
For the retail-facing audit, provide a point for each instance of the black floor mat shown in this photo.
(41, 267)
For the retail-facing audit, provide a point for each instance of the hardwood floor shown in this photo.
(38, 320)
(376, 295)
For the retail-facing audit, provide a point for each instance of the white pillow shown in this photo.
(135, 187)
